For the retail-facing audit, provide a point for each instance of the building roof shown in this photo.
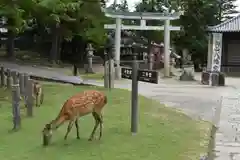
(230, 25)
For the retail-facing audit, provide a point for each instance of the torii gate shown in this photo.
(143, 16)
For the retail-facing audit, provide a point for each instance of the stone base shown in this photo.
(205, 77)
(186, 76)
(216, 78)
(118, 75)
(188, 73)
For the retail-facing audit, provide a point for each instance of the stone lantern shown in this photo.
(90, 54)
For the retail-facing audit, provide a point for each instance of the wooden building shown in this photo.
(224, 47)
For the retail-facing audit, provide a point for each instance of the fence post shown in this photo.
(9, 79)
(21, 83)
(3, 79)
(16, 106)
(111, 73)
(29, 95)
(106, 71)
(26, 79)
(15, 77)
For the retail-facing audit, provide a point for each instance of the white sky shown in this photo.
(131, 3)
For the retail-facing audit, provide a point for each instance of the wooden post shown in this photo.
(3, 79)
(16, 106)
(25, 82)
(106, 71)
(26, 78)
(29, 95)
(9, 79)
(21, 83)
(15, 77)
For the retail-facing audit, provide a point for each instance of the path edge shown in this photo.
(214, 127)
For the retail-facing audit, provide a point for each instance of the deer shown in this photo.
(79, 105)
(37, 93)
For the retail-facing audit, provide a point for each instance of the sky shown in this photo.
(131, 3)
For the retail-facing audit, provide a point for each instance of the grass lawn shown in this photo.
(164, 134)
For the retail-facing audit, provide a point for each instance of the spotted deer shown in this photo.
(78, 105)
(37, 93)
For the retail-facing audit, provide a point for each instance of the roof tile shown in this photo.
(230, 25)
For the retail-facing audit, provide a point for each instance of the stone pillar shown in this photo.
(185, 53)
(166, 48)
(151, 61)
(89, 56)
(216, 52)
(216, 59)
(210, 45)
(118, 47)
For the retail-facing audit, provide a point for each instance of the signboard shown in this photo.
(126, 73)
(149, 76)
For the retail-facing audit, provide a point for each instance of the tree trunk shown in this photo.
(59, 48)
(10, 46)
(54, 49)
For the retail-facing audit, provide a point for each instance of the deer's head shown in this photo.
(47, 134)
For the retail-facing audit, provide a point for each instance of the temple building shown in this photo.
(224, 47)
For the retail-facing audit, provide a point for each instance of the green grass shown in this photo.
(164, 134)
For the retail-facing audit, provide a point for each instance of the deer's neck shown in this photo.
(56, 123)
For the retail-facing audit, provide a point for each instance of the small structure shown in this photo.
(90, 55)
(142, 16)
(224, 47)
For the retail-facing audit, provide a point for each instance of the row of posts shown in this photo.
(109, 74)
(21, 86)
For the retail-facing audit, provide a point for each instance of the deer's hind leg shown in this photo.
(97, 121)
(36, 99)
(41, 98)
(77, 128)
(101, 124)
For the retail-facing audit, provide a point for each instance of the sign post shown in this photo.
(134, 111)
(136, 75)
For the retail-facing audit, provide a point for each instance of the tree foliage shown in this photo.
(197, 15)
(60, 19)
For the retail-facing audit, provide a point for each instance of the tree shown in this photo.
(114, 5)
(54, 16)
(151, 6)
(16, 21)
(63, 20)
(198, 14)
(123, 6)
